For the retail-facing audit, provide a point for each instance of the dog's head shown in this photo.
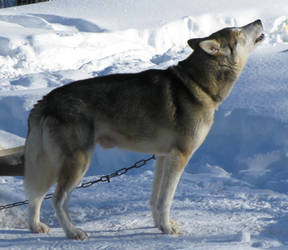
(231, 45)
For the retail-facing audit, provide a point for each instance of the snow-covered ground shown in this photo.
(233, 194)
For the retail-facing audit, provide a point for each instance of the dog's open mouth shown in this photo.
(260, 38)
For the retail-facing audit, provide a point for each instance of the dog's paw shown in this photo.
(171, 228)
(77, 234)
(175, 227)
(39, 228)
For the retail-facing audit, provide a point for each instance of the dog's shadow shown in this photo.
(125, 233)
(276, 230)
(24, 236)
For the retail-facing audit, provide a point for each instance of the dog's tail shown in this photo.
(12, 161)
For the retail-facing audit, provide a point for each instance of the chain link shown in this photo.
(104, 178)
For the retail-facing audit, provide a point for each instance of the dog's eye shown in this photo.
(236, 31)
(232, 48)
(239, 35)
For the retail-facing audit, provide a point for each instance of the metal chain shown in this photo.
(104, 178)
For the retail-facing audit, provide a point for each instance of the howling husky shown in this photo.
(165, 112)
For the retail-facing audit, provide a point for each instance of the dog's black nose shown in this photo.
(258, 21)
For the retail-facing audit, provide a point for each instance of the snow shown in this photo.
(233, 194)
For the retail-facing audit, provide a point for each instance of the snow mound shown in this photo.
(27, 21)
(279, 32)
(8, 140)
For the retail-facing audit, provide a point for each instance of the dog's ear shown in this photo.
(212, 47)
(194, 42)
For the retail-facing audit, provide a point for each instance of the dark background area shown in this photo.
(11, 3)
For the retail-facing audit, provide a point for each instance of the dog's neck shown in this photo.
(191, 85)
(213, 77)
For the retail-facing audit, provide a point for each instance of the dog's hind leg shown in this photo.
(36, 226)
(38, 179)
(156, 189)
(72, 171)
(172, 171)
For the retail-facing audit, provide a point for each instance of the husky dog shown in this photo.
(165, 112)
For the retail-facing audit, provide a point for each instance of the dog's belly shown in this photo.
(160, 144)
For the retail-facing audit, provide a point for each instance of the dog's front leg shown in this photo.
(171, 174)
(156, 188)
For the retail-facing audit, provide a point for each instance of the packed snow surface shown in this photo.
(233, 194)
